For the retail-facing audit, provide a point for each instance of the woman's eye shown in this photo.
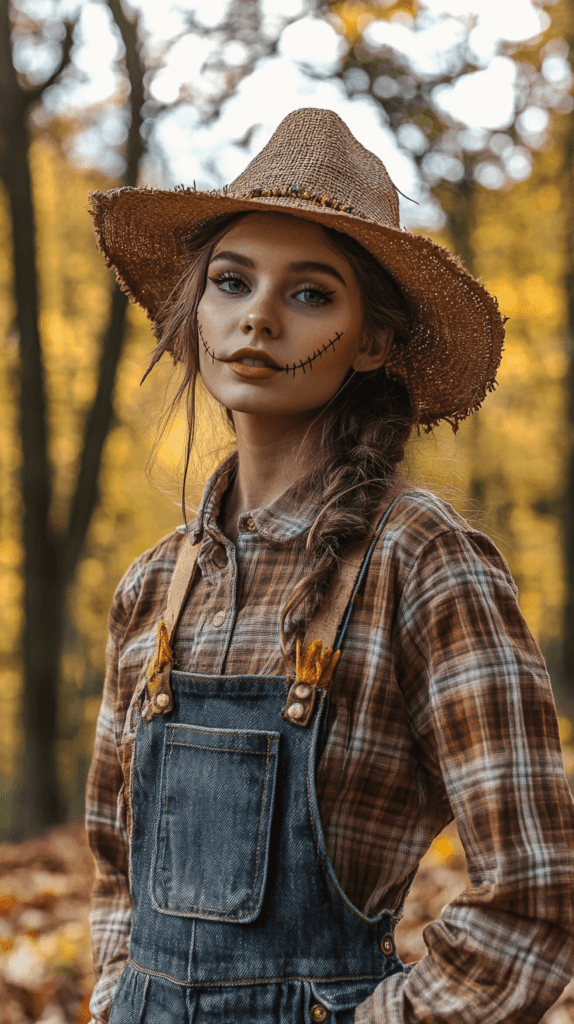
(229, 283)
(313, 296)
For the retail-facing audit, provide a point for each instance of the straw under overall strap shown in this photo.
(160, 698)
(316, 659)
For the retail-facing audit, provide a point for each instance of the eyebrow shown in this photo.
(298, 265)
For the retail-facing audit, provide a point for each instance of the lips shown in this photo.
(254, 353)
(252, 372)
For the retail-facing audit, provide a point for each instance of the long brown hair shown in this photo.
(364, 427)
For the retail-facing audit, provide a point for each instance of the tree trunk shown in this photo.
(39, 799)
(99, 419)
(98, 423)
(50, 559)
(461, 216)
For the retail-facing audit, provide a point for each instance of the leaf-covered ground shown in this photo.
(45, 960)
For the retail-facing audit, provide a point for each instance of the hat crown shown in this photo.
(313, 150)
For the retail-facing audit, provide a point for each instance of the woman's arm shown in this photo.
(483, 715)
(111, 906)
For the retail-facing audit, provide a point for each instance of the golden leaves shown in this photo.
(351, 17)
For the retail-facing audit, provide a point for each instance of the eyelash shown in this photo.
(228, 275)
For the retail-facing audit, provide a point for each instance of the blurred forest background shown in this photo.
(179, 99)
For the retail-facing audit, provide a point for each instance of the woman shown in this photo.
(309, 681)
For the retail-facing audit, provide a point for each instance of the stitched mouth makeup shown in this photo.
(249, 372)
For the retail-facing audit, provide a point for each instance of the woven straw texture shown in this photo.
(313, 167)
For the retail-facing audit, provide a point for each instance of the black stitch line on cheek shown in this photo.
(209, 351)
(310, 360)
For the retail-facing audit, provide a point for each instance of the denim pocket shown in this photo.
(216, 796)
(340, 998)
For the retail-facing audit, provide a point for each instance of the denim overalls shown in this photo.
(237, 914)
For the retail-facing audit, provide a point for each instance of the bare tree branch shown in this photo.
(135, 71)
(35, 93)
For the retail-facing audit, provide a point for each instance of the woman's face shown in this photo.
(281, 320)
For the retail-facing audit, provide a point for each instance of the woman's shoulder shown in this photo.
(422, 522)
(425, 514)
(146, 580)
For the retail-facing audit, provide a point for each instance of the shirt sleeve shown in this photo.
(111, 906)
(484, 721)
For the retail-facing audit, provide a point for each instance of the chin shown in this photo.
(244, 402)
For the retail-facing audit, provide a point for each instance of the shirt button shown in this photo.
(250, 524)
(319, 1013)
(220, 558)
(219, 618)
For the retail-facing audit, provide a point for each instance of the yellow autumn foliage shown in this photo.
(134, 512)
(517, 455)
(351, 17)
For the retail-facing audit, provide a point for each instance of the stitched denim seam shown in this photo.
(254, 981)
(223, 750)
(346, 902)
(326, 872)
(130, 813)
(219, 732)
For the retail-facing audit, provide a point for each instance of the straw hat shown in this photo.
(313, 167)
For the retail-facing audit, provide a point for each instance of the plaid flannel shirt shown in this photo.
(442, 709)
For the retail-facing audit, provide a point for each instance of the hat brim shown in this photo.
(456, 329)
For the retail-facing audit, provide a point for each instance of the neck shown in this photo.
(272, 456)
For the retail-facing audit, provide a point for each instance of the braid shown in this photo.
(364, 443)
(364, 434)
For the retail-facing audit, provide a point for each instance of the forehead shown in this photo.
(281, 232)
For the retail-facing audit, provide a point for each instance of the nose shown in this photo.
(260, 318)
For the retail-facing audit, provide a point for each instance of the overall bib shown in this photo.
(237, 913)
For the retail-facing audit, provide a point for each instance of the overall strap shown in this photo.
(180, 586)
(318, 654)
(160, 697)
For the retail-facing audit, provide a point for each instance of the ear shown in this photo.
(373, 350)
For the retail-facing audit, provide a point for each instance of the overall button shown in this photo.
(319, 1013)
(296, 711)
(219, 618)
(162, 700)
(387, 944)
(302, 690)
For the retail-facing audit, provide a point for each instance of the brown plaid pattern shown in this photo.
(441, 708)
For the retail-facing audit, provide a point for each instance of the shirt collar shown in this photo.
(284, 520)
